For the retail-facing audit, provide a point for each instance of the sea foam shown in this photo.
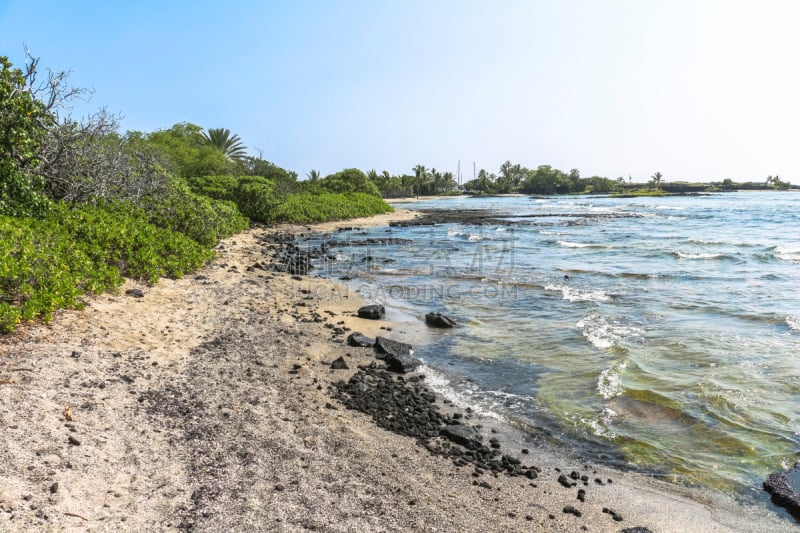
(578, 295)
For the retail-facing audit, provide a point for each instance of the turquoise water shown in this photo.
(666, 327)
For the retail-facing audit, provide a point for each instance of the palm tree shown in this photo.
(420, 177)
(222, 140)
(657, 179)
(313, 176)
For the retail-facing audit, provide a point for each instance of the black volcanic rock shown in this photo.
(782, 493)
(396, 354)
(358, 340)
(467, 436)
(372, 312)
(438, 320)
(339, 364)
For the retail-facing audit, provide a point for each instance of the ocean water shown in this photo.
(665, 328)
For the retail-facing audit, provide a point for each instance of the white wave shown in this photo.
(609, 383)
(552, 233)
(794, 322)
(474, 237)
(704, 242)
(440, 384)
(788, 252)
(500, 229)
(600, 424)
(604, 332)
(570, 244)
(453, 232)
(578, 295)
(688, 255)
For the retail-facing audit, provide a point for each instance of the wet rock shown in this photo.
(359, 340)
(782, 493)
(339, 364)
(397, 355)
(467, 436)
(372, 312)
(438, 320)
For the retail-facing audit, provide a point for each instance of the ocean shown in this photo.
(666, 329)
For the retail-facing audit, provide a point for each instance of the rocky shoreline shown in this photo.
(233, 400)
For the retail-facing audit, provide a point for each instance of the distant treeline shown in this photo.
(544, 179)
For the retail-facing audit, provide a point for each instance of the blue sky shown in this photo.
(698, 90)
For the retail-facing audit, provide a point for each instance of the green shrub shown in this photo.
(305, 208)
(199, 217)
(49, 263)
(217, 187)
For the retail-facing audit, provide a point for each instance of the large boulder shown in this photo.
(372, 312)
(360, 341)
(398, 355)
(438, 320)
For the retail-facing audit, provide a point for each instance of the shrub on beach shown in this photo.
(49, 263)
(306, 208)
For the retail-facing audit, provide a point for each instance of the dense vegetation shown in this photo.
(83, 205)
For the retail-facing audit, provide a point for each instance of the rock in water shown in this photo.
(339, 364)
(438, 320)
(783, 494)
(359, 340)
(372, 312)
(396, 354)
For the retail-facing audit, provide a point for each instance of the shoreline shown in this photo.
(206, 404)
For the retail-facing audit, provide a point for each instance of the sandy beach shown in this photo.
(209, 404)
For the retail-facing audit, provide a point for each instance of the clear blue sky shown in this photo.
(696, 89)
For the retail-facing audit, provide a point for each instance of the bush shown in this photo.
(256, 198)
(349, 180)
(199, 217)
(305, 208)
(217, 187)
(48, 264)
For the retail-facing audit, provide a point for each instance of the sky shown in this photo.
(699, 90)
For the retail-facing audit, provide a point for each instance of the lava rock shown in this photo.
(136, 293)
(339, 364)
(569, 509)
(359, 340)
(372, 312)
(397, 355)
(782, 493)
(467, 436)
(438, 320)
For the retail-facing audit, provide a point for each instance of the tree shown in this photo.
(655, 179)
(28, 110)
(574, 178)
(186, 152)
(231, 146)
(421, 177)
(85, 161)
(313, 176)
(349, 180)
